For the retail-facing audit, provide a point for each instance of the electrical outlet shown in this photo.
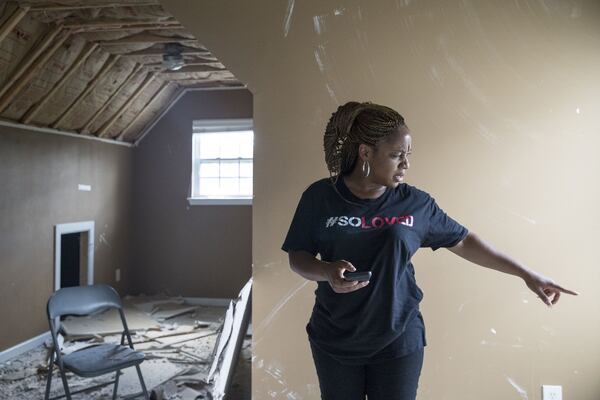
(551, 392)
(118, 274)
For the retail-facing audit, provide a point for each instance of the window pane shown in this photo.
(209, 145)
(246, 169)
(246, 144)
(229, 186)
(246, 186)
(229, 145)
(209, 186)
(209, 169)
(230, 169)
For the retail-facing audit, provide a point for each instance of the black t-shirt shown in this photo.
(381, 320)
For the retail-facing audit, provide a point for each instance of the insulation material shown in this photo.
(132, 111)
(63, 98)
(151, 112)
(118, 101)
(47, 76)
(134, 34)
(17, 44)
(106, 87)
(130, 13)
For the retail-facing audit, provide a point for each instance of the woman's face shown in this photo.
(389, 159)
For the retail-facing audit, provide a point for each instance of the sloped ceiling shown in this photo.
(95, 67)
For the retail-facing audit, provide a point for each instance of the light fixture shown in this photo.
(172, 59)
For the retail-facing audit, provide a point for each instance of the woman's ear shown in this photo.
(364, 151)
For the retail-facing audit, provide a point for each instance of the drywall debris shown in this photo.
(179, 353)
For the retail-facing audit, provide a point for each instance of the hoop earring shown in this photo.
(366, 168)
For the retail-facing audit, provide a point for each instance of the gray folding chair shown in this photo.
(94, 360)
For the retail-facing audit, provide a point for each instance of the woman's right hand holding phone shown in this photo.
(335, 276)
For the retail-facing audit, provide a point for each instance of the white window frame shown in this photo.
(220, 125)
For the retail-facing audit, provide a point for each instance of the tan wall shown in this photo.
(39, 174)
(502, 100)
(177, 248)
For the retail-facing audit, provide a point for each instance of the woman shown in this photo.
(367, 337)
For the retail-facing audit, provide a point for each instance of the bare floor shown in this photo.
(179, 353)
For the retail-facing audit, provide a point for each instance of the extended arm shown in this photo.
(474, 249)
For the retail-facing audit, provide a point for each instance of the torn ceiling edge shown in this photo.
(40, 129)
(176, 98)
(230, 342)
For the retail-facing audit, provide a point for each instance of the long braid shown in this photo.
(352, 124)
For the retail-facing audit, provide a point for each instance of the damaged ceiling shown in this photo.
(98, 68)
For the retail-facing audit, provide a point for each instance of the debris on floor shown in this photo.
(188, 350)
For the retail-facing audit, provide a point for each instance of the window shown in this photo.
(222, 161)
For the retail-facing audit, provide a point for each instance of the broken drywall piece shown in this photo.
(174, 340)
(107, 323)
(241, 315)
(170, 310)
(149, 303)
(222, 340)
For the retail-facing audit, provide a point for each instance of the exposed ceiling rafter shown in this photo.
(12, 21)
(111, 121)
(104, 106)
(85, 53)
(110, 62)
(32, 71)
(116, 44)
(141, 112)
(58, 7)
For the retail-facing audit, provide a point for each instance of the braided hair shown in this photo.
(352, 124)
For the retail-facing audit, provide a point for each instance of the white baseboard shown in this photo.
(23, 347)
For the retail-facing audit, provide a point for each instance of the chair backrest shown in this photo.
(82, 300)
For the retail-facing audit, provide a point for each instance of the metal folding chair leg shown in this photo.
(49, 378)
(116, 384)
(63, 375)
(139, 372)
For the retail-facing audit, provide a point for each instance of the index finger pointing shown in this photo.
(566, 290)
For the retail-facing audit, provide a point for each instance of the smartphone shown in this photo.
(357, 276)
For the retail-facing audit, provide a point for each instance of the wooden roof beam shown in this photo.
(48, 38)
(105, 23)
(127, 80)
(163, 110)
(159, 52)
(142, 38)
(193, 68)
(108, 124)
(31, 72)
(58, 7)
(144, 108)
(85, 53)
(110, 62)
(131, 28)
(159, 65)
(12, 21)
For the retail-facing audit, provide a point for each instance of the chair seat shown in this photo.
(101, 359)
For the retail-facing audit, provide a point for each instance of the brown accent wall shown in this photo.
(178, 248)
(39, 177)
(502, 100)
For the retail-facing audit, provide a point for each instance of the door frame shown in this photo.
(74, 227)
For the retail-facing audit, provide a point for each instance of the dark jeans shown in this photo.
(395, 379)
